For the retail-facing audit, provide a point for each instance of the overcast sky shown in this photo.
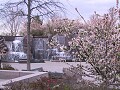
(87, 7)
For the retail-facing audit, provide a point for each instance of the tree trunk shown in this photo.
(28, 36)
(0, 61)
(0, 64)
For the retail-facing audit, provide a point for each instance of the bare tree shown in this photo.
(10, 21)
(31, 8)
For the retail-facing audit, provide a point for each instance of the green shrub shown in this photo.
(7, 67)
(118, 56)
(37, 33)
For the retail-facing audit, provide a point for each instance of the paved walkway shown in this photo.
(47, 66)
(1, 80)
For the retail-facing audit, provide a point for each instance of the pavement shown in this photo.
(47, 66)
(57, 67)
(1, 80)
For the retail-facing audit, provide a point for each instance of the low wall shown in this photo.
(32, 76)
(10, 74)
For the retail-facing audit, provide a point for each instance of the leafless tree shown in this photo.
(10, 21)
(31, 8)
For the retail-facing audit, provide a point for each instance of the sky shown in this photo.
(87, 7)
